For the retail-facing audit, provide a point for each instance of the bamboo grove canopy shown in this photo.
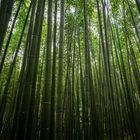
(69, 70)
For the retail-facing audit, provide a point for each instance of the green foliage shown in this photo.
(95, 72)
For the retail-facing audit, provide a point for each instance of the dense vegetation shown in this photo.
(69, 70)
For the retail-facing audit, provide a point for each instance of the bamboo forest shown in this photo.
(69, 69)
